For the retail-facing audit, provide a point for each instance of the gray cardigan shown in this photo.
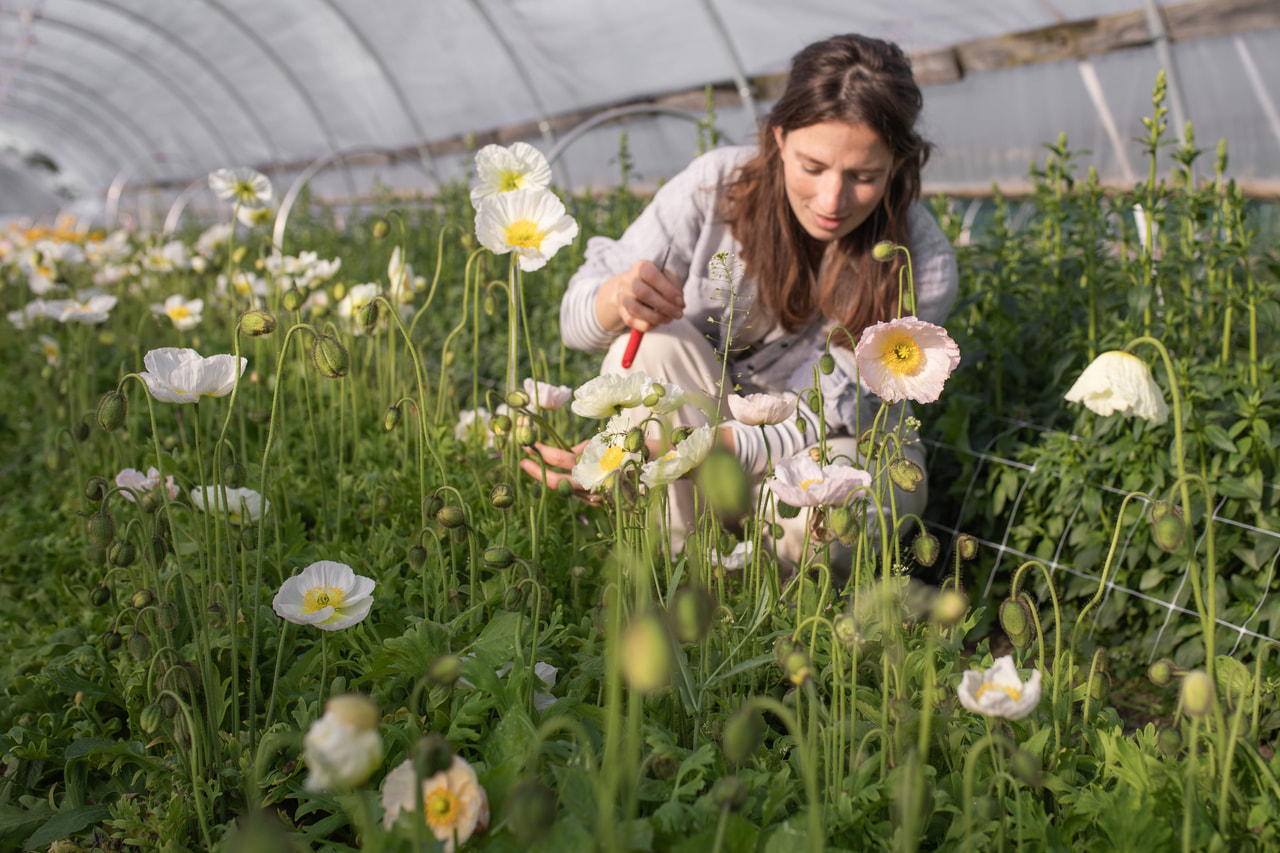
(683, 215)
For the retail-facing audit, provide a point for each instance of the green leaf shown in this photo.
(65, 823)
(1248, 487)
(1219, 438)
(17, 822)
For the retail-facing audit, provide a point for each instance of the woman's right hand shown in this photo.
(643, 297)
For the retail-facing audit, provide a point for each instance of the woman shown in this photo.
(836, 171)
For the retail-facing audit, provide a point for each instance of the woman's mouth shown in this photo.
(828, 223)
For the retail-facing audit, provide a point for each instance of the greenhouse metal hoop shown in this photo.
(618, 112)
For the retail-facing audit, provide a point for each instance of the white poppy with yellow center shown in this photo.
(454, 804)
(906, 359)
(50, 349)
(326, 594)
(601, 459)
(176, 375)
(1120, 382)
(799, 481)
(999, 692)
(91, 309)
(256, 217)
(242, 185)
(531, 223)
(761, 409)
(680, 460)
(183, 313)
(503, 170)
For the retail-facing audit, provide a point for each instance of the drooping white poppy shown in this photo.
(761, 409)
(241, 506)
(1121, 382)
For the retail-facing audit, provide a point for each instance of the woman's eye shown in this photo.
(812, 170)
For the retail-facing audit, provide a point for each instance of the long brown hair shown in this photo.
(857, 80)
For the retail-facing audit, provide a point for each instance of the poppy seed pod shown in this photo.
(827, 364)
(1167, 527)
(530, 811)
(256, 323)
(102, 529)
(329, 357)
(112, 410)
(502, 496)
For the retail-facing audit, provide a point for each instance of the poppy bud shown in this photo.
(517, 399)
(122, 553)
(726, 485)
(729, 793)
(966, 546)
(883, 251)
(634, 440)
(524, 434)
(490, 305)
(139, 646)
(1161, 672)
(451, 517)
(102, 529)
(742, 735)
(249, 537)
(112, 410)
(827, 364)
(925, 548)
(839, 520)
(646, 655)
(381, 229)
(417, 557)
(500, 424)
(802, 426)
(329, 357)
(1167, 526)
(796, 667)
(444, 670)
(1169, 741)
(498, 557)
(167, 617)
(112, 640)
(391, 418)
(530, 812)
(950, 608)
(57, 458)
(564, 488)
(80, 432)
(256, 323)
(906, 474)
(1014, 618)
(95, 489)
(141, 598)
(99, 595)
(150, 718)
(1197, 694)
(502, 496)
(158, 549)
(692, 611)
(679, 434)
(815, 402)
(431, 505)
(293, 299)
(368, 316)
(433, 754)
(216, 615)
(235, 475)
(845, 629)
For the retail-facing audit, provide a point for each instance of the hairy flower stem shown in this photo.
(1057, 644)
(990, 741)
(420, 377)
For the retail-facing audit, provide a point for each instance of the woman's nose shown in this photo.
(831, 194)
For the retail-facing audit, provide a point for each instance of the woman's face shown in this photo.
(835, 174)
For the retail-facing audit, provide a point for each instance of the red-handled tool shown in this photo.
(633, 342)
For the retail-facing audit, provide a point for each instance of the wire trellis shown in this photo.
(1174, 607)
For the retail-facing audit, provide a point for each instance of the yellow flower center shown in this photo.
(804, 487)
(901, 354)
(510, 181)
(1013, 693)
(178, 312)
(671, 454)
(50, 350)
(524, 234)
(612, 458)
(320, 597)
(442, 808)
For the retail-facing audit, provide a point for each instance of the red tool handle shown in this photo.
(633, 344)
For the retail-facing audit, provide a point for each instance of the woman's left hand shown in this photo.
(553, 458)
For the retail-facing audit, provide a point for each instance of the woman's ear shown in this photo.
(778, 136)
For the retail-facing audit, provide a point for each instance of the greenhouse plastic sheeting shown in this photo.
(160, 93)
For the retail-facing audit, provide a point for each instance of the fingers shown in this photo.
(553, 456)
(647, 298)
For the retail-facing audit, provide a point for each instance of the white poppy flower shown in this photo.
(1120, 382)
(214, 237)
(679, 460)
(739, 557)
(761, 409)
(600, 460)
(49, 348)
(256, 217)
(245, 505)
(33, 309)
(532, 223)
(343, 747)
(94, 309)
(906, 359)
(474, 423)
(176, 375)
(454, 804)
(999, 692)
(243, 186)
(185, 315)
(799, 481)
(608, 394)
(326, 594)
(545, 396)
(135, 480)
(357, 297)
(501, 170)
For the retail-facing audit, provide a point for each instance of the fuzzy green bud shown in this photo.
(417, 557)
(502, 496)
(517, 399)
(257, 323)
(692, 611)
(1167, 527)
(802, 426)
(827, 364)
(167, 616)
(99, 595)
(1161, 672)
(490, 305)
(95, 489)
(839, 520)
(725, 484)
(906, 474)
(122, 553)
(524, 434)
(814, 402)
(966, 546)
(883, 251)
(150, 718)
(650, 400)
(530, 812)
(139, 646)
(498, 557)
(293, 299)
(141, 598)
(500, 424)
(730, 793)
(742, 735)
(112, 410)
(431, 505)
(679, 434)
(112, 640)
(381, 229)
(646, 654)
(391, 418)
(796, 667)
(159, 548)
(444, 670)
(80, 432)
(1014, 618)
(451, 517)
(564, 488)
(634, 440)
(217, 616)
(1169, 741)
(102, 529)
(950, 608)
(925, 548)
(1197, 694)
(368, 315)
(235, 475)
(1099, 687)
(329, 357)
